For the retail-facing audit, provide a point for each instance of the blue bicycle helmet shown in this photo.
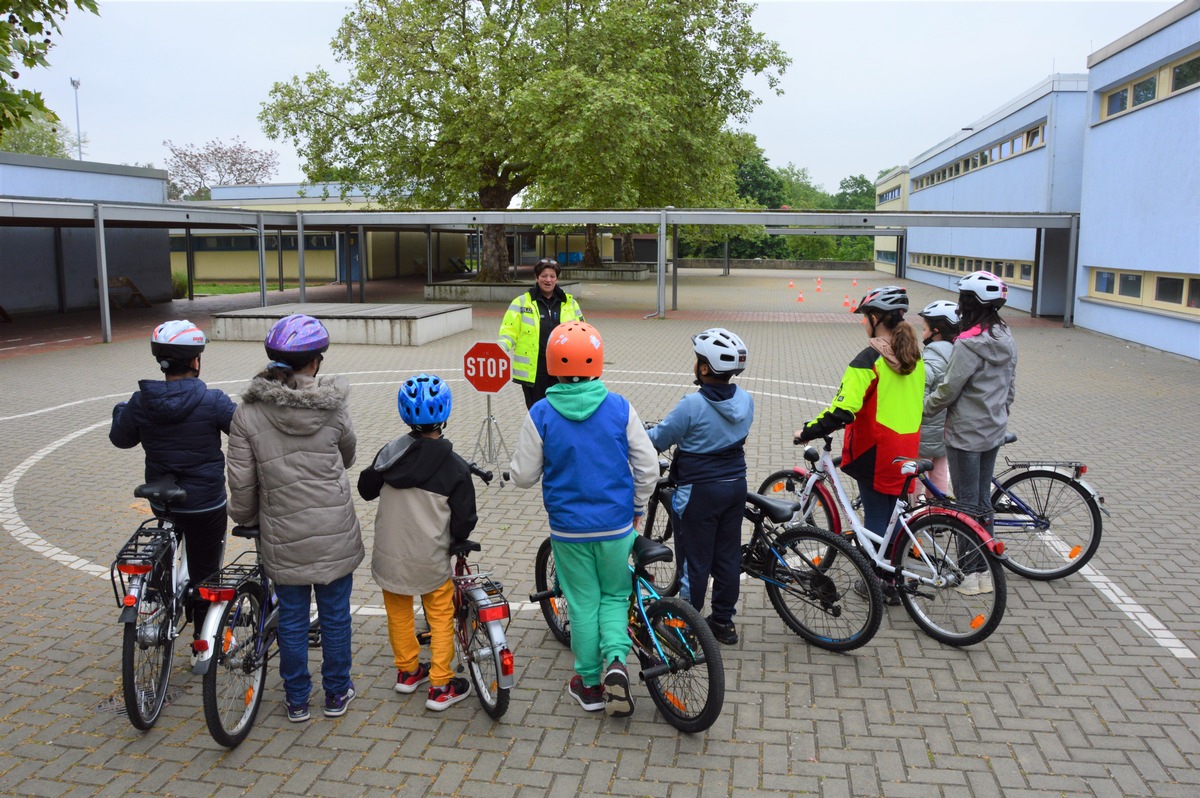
(424, 401)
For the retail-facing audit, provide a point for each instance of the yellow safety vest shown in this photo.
(520, 334)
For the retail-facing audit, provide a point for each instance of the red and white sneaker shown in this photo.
(409, 681)
(448, 694)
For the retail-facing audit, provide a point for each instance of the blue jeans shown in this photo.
(333, 608)
(971, 475)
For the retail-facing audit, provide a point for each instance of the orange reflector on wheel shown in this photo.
(249, 695)
(778, 486)
(675, 702)
(916, 552)
(497, 612)
(506, 662)
(228, 641)
(674, 623)
(817, 560)
(134, 568)
(978, 621)
(1075, 552)
(217, 593)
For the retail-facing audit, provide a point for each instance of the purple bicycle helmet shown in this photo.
(295, 340)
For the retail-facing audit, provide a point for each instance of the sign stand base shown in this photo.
(489, 442)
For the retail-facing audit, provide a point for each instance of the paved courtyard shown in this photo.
(1088, 688)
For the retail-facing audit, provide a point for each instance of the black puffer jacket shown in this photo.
(179, 425)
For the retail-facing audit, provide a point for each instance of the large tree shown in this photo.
(194, 170)
(27, 28)
(40, 137)
(579, 103)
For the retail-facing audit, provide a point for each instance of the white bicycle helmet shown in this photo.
(176, 340)
(722, 350)
(942, 309)
(989, 289)
(886, 299)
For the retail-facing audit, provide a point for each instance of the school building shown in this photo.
(1120, 147)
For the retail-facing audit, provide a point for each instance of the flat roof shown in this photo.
(1168, 17)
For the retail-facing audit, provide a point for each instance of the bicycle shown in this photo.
(150, 583)
(1048, 518)
(926, 553)
(659, 527)
(679, 657)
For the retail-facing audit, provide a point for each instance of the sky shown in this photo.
(871, 84)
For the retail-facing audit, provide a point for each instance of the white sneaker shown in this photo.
(985, 582)
(970, 585)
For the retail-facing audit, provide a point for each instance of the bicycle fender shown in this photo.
(830, 502)
(994, 547)
(1068, 471)
(496, 633)
(208, 633)
(128, 615)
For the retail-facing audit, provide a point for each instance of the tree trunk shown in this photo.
(494, 265)
(628, 251)
(591, 247)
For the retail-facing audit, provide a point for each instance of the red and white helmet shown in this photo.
(176, 340)
(989, 289)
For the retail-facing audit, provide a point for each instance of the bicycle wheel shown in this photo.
(657, 525)
(233, 683)
(146, 656)
(817, 512)
(483, 664)
(1050, 524)
(945, 552)
(554, 609)
(692, 694)
(815, 594)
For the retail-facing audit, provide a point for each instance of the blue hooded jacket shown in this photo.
(179, 425)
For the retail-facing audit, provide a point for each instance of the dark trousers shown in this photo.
(204, 542)
(709, 540)
(537, 391)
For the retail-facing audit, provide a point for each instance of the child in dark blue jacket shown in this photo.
(709, 429)
(179, 421)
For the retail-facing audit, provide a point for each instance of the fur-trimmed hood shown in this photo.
(301, 410)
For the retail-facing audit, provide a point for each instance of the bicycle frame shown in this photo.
(491, 608)
(222, 589)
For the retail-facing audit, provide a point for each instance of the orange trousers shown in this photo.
(439, 611)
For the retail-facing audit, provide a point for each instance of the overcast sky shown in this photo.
(871, 84)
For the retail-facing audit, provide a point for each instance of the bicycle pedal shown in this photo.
(424, 637)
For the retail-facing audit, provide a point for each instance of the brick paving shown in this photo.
(1070, 697)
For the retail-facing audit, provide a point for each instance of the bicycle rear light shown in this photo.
(215, 594)
(506, 662)
(135, 568)
(496, 612)
(130, 600)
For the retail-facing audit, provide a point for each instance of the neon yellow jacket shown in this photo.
(520, 335)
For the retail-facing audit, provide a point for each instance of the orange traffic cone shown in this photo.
(846, 303)
(854, 281)
(818, 288)
(800, 297)
(791, 284)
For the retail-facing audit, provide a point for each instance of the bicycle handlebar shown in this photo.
(486, 476)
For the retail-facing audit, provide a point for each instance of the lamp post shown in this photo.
(78, 131)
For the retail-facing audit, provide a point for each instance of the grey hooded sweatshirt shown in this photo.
(933, 425)
(978, 390)
(288, 453)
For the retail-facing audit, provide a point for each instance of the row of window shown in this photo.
(1157, 85)
(249, 243)
(1164, 291)
(885, 255)
(888, 196)
(1018, 272)
(1022, 142)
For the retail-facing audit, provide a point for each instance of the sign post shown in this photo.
(488, 368)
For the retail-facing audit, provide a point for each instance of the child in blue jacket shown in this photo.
(598, 469)
(709, 429)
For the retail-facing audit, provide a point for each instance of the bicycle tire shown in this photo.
(233, 683)
(945, 613)
(554, 609)
(691, 697)
(483, 664)
(1064, 533)
(147, 653)
(658, 526)
(817, 511)
(815, 593)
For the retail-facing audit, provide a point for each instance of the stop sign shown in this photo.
(487, 367)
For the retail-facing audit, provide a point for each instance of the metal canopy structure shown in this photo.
(23, 212)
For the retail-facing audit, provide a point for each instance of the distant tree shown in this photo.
(195, 170)
(855, 193)
(800, 191)
(883, 172)
(39, 137)
(577, 103)
(26, 30)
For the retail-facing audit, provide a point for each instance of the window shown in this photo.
(1026, 272)
(1117, 102)
(1185, 74)
(1169, 289)
(1193, 299)
(1130, 285)
(1105, 282)
(1032, 138)
(1008, 269)
(1145, 90)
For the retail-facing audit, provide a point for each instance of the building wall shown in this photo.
(891, 194)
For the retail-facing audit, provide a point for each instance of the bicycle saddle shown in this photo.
(164, 490)
(646, 551)
(775, 509)
(463, 546)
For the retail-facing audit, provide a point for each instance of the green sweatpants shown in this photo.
(596, 582)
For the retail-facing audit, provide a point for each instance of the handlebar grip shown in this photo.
(542, 596)
(486, 476)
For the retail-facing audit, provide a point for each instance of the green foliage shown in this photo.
(855, 193)
(178, 285)
(38, 137)
(26, 37)
(577, 103)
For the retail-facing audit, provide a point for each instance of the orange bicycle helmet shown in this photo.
(575, 349)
